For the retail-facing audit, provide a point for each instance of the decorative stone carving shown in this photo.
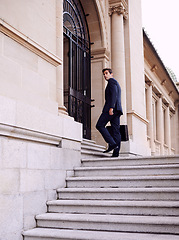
(154, 68)
(149, 82)
(119, 8)
(163, 82)
(159, 95)
(170, 93)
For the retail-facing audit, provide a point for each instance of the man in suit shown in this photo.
(112, 111)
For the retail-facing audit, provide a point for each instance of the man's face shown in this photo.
(107, 75)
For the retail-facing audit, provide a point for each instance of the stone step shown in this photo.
(90, 150)
(61, 234)
(92, 154)
(91, 145)
(160, 194)
(84, 140)
(150, 208)
(167, 169)
(126, 182)
(118, 223)
(127, 161)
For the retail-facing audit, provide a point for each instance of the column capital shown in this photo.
(119, 7)
(159, 95)
(165, 101)
(150, 83)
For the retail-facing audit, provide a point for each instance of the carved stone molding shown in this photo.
(149, 83)
(119, 7)
(28, 43)
(100, 53)
(172, 109)
(154, 68)
(159, 95)
(170, 93)
(163, 82)
(29, 134)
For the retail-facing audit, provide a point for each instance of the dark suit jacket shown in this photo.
(113, 96)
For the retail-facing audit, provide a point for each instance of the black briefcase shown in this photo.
(123, 131)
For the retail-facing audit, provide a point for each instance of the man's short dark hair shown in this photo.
(107, 69)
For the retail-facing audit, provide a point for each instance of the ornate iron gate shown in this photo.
(77, 65)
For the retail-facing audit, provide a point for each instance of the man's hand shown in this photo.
(111, 111)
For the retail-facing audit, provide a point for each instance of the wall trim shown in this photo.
(100, 53)
(16, 132)
(28, 43)
(135, 114)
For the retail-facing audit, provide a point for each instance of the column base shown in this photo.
(132, 148)
(62, 110)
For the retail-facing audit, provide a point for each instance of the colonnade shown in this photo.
(162, 133)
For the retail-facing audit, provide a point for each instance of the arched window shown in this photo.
(77, 64)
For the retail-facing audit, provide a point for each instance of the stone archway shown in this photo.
(77, 64)
(99, 35)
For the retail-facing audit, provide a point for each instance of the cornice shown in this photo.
(119, 7)
(28, 43)
(100, 53)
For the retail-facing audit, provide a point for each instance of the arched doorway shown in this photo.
(77, 65)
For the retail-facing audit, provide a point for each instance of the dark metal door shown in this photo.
(77, 65)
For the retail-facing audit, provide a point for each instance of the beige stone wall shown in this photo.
(26, 77)
(38, 144)
(35, 19)
(36, 150)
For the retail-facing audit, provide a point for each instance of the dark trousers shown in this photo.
(115, 136)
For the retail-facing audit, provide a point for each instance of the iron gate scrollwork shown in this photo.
(77, 65)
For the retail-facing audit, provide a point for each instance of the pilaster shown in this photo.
(167, 129)
(160, 124)
(150, 117)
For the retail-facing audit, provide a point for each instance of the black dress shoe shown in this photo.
(116, 152)
(110, 148)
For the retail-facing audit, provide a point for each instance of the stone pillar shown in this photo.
(160, 124)
(59, 52)
(118, 13)
(176, 135)
(167, 129)
(150, 118)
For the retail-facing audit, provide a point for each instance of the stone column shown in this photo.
(59, 52)
(167, 129)
(118, 13)
(150, 117)
(160, 124)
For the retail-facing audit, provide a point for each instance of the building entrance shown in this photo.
(77, 65)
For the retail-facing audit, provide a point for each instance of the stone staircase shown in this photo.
(131, 198)
(90, 150)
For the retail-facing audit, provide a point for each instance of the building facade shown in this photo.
(52, 53)
(161, 104)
